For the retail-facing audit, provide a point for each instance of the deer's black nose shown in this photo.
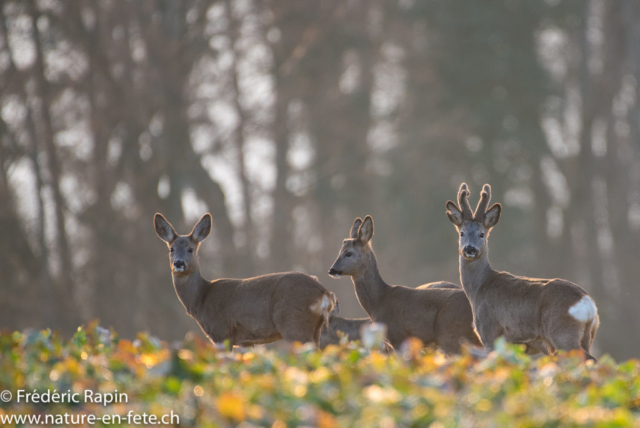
(179, 264)
(334, 272)
(470, 251)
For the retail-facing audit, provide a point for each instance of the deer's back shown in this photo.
(274, 284)
(261, 294)
(440, 284)
(518, 304)
(298, 284)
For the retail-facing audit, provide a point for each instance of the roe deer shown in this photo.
(352, 327)
(349, 326)
(437, 316)
(544, 314)
(291, 305)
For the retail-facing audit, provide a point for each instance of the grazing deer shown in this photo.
(437, 316)
(544, 314)
(291, 305)
(349, 326)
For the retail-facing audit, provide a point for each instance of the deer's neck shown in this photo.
(370, 287)
(189, 289)
(474, 273)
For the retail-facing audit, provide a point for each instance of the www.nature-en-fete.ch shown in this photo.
(130, 418)
(78, 418)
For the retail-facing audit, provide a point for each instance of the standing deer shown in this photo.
(352, 327)
(544, 314)
(291, 305)
(437, 316)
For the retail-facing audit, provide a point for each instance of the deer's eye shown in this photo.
(461, 233)
(191, 250)
(171, 249)
(482, 235)
(348, 254)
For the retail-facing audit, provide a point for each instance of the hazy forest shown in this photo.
(288, 119)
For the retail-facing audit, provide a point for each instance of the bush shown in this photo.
(295, 385)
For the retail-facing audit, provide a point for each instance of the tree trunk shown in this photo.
(65, 289)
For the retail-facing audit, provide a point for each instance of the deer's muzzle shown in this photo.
(469, 252)
(335, 273)
(179, 266)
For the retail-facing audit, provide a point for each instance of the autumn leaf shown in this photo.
(231, 406)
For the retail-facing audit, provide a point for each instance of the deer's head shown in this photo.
(473, 228)
(353, 256)
(183, 249)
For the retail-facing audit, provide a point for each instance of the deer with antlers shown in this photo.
(437, 315)
(545, 314)
(290, 305)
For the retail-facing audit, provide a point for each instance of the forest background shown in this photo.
(288, 119)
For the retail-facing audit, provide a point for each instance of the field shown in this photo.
(296, 385)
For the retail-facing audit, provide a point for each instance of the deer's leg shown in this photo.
(219, 335)
(220, 344)
(585, 342)
(590, 330)
(395, 339)
(567, 334)
(570, 339)
(539, 345)
(318, 333)
(587, 338)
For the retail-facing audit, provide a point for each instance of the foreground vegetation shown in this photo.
(297, 385)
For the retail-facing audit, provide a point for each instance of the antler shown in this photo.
(485, 197)
(463, 202)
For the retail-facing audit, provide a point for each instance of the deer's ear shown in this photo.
(365, 233)
(454, 213)
(164, 229)
(492, 216)
(202, 229)
(354, 229)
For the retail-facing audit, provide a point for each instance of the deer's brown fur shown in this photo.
(351, 327)
(291, 305)
(545, 314)
(437, 316)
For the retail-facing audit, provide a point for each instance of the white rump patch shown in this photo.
(584, 310)
(322, 306)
